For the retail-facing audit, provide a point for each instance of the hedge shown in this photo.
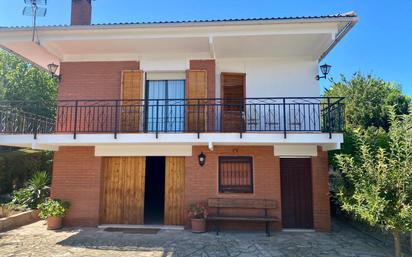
(17, 167)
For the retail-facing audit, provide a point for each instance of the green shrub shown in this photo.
(53, 208)
(17, 167)
(35, 192)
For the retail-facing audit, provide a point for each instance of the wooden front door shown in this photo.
(233, 94)
(296, 187)
(174, 191)
(123, 194)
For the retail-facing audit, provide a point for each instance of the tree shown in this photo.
(376, 183)
(366, 101)
(366, 98)
(22, 81)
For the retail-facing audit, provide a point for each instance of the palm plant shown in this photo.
(36, 191)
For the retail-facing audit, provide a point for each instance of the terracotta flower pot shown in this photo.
(54, 223)
(198, 225)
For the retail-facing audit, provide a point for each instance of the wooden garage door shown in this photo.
(123, 197)
(174, 191)
(296, 187)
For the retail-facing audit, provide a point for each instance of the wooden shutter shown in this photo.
(174, 191)
(131, 106)
(124, 185)
(233, 87)
(196, 87)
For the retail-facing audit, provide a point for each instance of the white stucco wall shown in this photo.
(273, 77)
(265, 77)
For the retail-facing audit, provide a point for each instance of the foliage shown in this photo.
(376, 183)
(197, 211)
(53, 208)
(366, 102)
(367, 98)
(22, 81)
(10, 209)
(18, 166)
(35, 192)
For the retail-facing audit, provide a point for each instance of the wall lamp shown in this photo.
(52, 68)
(325, 68)
(202, 159)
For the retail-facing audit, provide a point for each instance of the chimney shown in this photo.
(81, 12)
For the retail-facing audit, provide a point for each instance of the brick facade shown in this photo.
(77, 173)
(201, 183)
(77, 179)
(92, 80)
(320, 189)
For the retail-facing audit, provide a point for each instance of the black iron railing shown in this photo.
(287, 114)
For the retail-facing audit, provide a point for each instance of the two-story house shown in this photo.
(154, 116)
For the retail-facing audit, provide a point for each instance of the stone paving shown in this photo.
(35, 240)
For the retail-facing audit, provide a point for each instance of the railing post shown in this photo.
(35, 122)
(329, 120)
(75, 118)
(284, 117)
(198, 118)
(116, 119)
(157, 118)
(240, 118)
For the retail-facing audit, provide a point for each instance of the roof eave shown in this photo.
(351, 18)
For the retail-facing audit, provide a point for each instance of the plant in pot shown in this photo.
(198, 214)
(53, 210)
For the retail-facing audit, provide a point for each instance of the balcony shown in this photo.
(252, 115)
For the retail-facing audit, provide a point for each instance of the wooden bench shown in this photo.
(220, 203)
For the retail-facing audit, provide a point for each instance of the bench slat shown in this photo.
(233, 218)
(241, 203)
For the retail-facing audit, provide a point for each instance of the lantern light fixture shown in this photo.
(325, 68)
(52, 68)
(202, 159)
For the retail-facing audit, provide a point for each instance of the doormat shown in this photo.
(134, 230)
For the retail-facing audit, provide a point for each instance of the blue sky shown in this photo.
(381, 43)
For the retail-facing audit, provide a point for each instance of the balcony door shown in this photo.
(165, 109)
(233, 94)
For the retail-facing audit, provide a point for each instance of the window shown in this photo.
(235, 174)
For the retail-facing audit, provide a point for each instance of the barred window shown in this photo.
(235, 174)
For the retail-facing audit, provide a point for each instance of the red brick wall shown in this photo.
(320, 189)
(77, 179)
(201, 183)
(92, 80)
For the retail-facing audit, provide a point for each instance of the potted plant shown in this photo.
(53, 210)
(198, 214)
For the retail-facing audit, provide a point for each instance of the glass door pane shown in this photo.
(175, 120)
(165, 105)
(156, 95)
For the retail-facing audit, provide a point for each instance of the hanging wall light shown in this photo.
(325, 68)
(202, 159)
(52, 68)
